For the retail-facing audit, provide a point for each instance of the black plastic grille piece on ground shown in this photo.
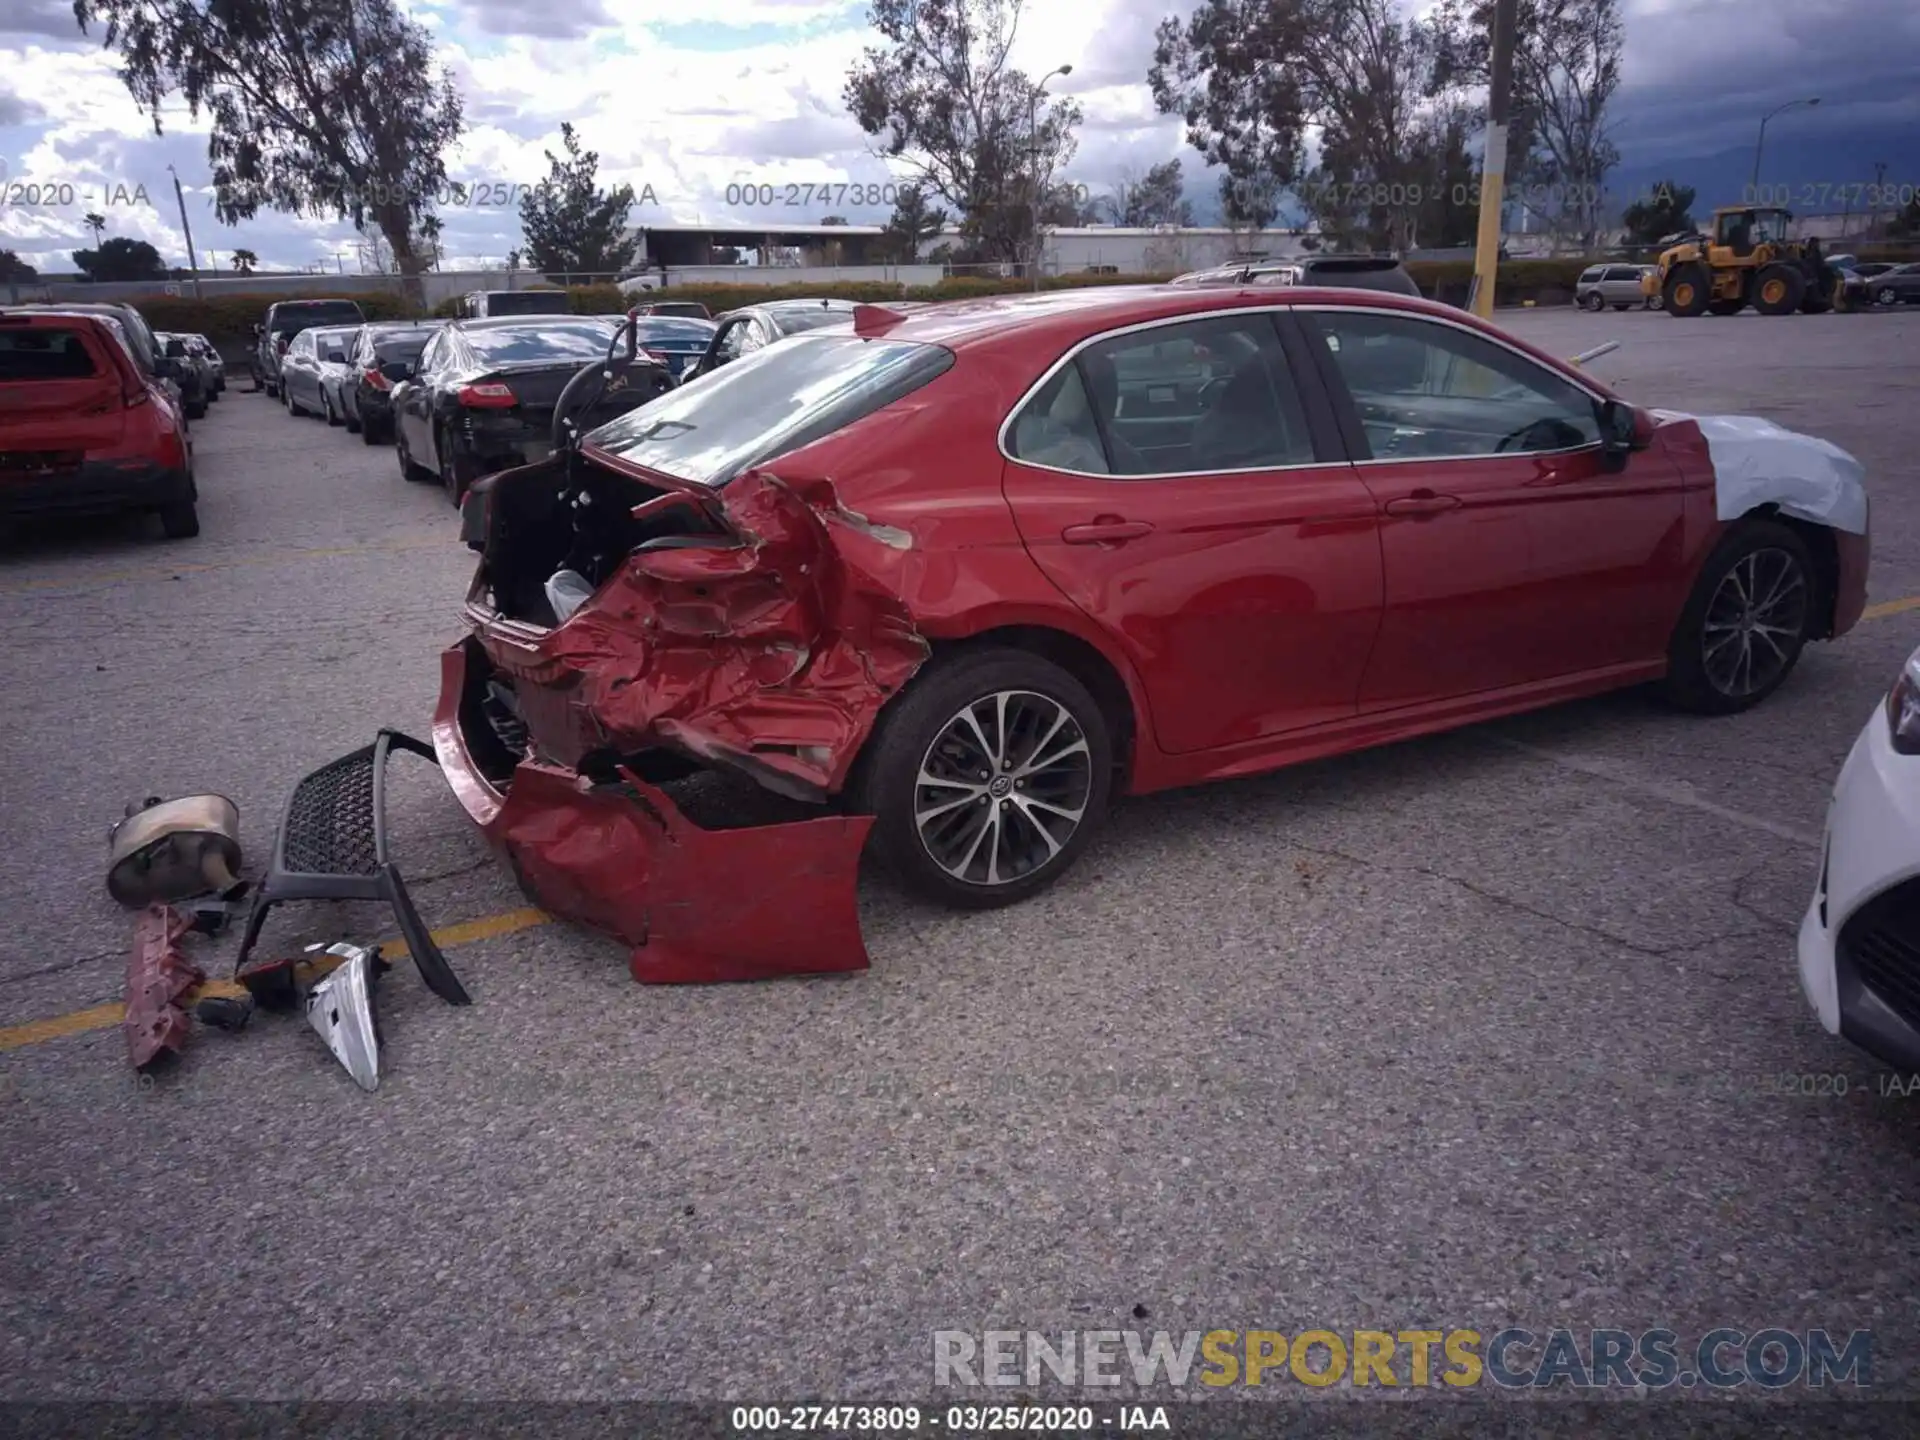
(332, 845)
(330, 826)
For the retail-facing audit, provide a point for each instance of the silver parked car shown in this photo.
(1617, 285)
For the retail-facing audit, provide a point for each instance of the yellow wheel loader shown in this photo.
(1747, 260)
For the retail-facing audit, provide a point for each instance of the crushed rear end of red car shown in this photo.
(633, 637)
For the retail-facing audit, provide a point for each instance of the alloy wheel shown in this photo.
(1754, 623)
(1003, 787)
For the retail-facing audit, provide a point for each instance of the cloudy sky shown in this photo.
(750, 92)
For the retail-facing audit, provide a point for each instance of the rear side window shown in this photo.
(769, 402)
(1592, 276)
(44, 354)
(1202, 397)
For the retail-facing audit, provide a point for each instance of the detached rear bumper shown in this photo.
(697, 905)
(92, 489)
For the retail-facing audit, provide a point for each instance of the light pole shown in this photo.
(1033, 140)
(1493, 164)
(193, 260)
(1753, 189)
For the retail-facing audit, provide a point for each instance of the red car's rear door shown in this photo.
(1184, 485)
(1514, 552)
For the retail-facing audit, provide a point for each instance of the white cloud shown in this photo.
(683, 103)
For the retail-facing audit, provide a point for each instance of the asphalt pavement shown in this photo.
(1476, 1031)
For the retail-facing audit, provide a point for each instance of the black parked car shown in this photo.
(383, 356)
(753, 327)
(190, 372)
(677, 342)
(482, 398)
(286, 319)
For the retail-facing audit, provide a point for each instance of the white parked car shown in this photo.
(1860, 940)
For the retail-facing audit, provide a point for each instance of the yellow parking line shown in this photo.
(105, 1017)
(1890, 607)
(487, 927)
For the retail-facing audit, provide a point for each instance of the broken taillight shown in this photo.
(378, 381)
(488, 396)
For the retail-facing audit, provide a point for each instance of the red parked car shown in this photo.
(963, 573)
(83, 431)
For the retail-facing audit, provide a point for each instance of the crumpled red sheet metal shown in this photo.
(775, 655)
(159, 978)
(698, 906)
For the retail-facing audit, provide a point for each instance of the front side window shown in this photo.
(1426, 389)
(1200, 397)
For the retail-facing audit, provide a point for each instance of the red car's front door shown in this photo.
(1515, 552)
(1166, 480)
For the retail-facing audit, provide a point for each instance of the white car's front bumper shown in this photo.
(1860, 938)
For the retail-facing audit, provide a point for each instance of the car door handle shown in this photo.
(1105, 530)
(1423, 502)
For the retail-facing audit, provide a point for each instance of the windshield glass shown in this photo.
(399, 347)
(665, 327)
(43, 353)
(768, 402)
(528, 302)
(797, 321)
(325, 340)
(576, 340)
(287, 320)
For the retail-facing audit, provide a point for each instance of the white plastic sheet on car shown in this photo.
(1756, 462)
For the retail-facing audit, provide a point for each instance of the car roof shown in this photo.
(1063, 315)
(510, 322)
(790, 307)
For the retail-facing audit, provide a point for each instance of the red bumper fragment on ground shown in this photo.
(699, 906)
(159, 978)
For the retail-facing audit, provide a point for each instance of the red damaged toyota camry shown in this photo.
(959, 574)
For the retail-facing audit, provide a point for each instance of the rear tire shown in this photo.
(1778, 290)
(456, 471)
(924, 756)
(1745, 623)
(1688, 291)
(417, 474)
(332, 417)
(180, 522)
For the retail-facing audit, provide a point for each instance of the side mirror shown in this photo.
(1619, 429)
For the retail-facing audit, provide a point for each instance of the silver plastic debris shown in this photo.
(340, 1009)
